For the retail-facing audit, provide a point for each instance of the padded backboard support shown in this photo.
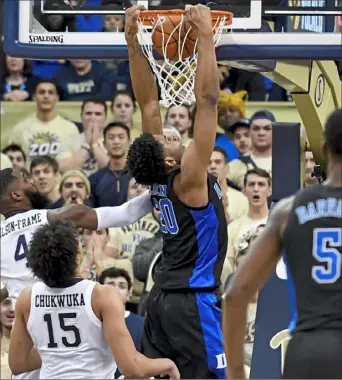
(312, 37)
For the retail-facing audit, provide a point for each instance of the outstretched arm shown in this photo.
(207, 90)
(144, 85)
(104, 217)
(260, 262)
(106, 302)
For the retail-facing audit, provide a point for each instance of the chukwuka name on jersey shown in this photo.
(321, 208)
(63, 300)
(15, 225)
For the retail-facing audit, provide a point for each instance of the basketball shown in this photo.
(168, 36)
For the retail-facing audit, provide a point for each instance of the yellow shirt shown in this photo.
(237, 204)
(5, 369)
(238, 169)
(237, 231)
(118, 263)
(5, 162)
(58, 138)
(125, 239)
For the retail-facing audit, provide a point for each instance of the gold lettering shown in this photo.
(281, 339)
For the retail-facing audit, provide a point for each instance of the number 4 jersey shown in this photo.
(313, 246)
(67, 333)
(16, 233)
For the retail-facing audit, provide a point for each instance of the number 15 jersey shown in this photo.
(67, 333)
(16, 233)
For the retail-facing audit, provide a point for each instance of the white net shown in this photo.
(176, 78)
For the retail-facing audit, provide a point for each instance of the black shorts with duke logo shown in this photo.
(186, 328)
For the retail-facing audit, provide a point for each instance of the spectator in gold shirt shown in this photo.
(46, 132)
(257, 189)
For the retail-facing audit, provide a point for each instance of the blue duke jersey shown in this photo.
(16, 232)
(195, 239)
(313, 245)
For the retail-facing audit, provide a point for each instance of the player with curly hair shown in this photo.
(183, 320)
(71, 327)
(24, 210)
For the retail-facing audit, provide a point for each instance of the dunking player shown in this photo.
(308, 227)
(183, 319)
(23, 208)
(75, 326)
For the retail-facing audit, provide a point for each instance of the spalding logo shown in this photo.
(46, 38)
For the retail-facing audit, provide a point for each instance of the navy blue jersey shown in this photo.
(194, 239)
(313, 245)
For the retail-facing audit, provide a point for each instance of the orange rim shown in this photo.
(146, 16)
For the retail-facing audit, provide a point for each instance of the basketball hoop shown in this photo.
(176, 77)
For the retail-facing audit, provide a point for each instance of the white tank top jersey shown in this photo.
(67, 333)
(16, 233)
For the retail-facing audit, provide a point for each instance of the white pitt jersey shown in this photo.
(67, 333)
(16, 233)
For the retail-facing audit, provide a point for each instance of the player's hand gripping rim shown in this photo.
(199, 18)
(131, 22)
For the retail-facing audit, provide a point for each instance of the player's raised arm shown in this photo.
(22, 356)
(207, 89)
(260, 262)
(106, 302)
(144, 85)
(104, 217)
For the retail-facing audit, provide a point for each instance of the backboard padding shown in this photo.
(25, 37)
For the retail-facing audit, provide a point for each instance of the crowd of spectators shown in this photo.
(84, 162)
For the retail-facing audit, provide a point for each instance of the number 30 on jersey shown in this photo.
(324, 249)
(168, 222)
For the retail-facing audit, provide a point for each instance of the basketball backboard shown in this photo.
(262, 29)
